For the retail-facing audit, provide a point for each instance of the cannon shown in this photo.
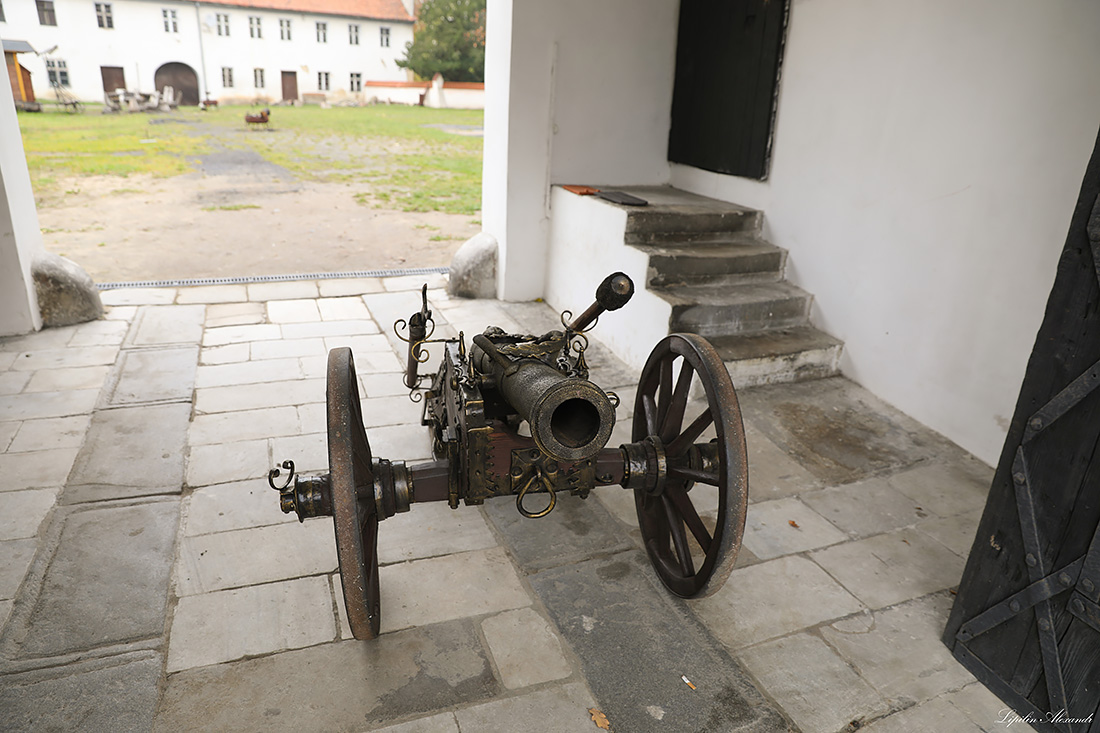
(516, 415)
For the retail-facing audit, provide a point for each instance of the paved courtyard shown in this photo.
(148, 580)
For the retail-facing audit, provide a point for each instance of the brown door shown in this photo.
(290, 85)
(180, 77)
(113, 78)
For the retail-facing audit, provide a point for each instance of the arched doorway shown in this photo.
(180, 77)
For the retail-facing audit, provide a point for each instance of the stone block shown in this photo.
(287, 348)
(227, 354)
(257, 619)
(898, 651)
(212, 562)
(342, 309)
(866, 507)
(409, 443)
(47, 404)
(813, 685)
(67, 378)
(934, 715)
(282, 290)
(438, 589)
(225, 427)
(575, 530)
(160, 325)
(890, 568)
(50, 338)
(248, 372)
(986, 710)
(293, 311)
(383, 385)
(561, 709)
(368, 343)
(99, 333)
(414, 282)
(234, 314)
(786, 526)
(7, 434)
(946, 489)
(121, 312)
(442, 723)
(619, 502)
(773, 598)
(351, 685)
(139, 296)
(772, 473)
(14, 382)
(17, 558)
(338, 287)
(309, 452)
(66, 293)
(107, 582)
(117, 695)
(635, 641)
(212, 294)
(21, 512)
(238, 505)
(154, 375)
(955, 533)
(525, 648)
(322, 329)
(432, 529)
(65, 358)
(36, 469)
(241, 334)
(474, 268)
(256, 396)
(131, 451)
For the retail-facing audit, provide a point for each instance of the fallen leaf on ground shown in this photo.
(793, 523)
(599, 719)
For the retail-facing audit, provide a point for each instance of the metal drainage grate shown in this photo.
(248, 279)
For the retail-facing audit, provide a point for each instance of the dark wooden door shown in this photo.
(113, 78)
(290, 85)
(180, 77)
(728, 54)
(1026, 620)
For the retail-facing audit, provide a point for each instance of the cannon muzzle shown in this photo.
(570, 418)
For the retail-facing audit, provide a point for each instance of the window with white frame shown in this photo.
(384, 37)
(171, 22)
(227, 77)
(258, 78)
(254, 29)
(322, 33)
(223, 24)
(102, 15)
(284, 29)
(356, 82)
(46, 15)
(322, 81)
(57, 73)
(353, 34)
(1, 11)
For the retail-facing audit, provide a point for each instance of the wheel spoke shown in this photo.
(674, 415)
(650, 414)
(664, 393)
(690, 516)
(677, 447)
(679, 538)
(693, 474)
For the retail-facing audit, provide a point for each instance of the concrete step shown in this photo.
(679, 216)
(734, 258)
(779, 355)
(720, 310)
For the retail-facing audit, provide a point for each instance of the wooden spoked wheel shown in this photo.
(354, 510)
(693, 519)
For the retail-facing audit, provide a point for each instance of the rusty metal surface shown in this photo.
(678, 478)
(351, 473)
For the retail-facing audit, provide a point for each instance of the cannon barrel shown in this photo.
(570, 418)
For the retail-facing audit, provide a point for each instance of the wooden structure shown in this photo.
(1026, 620)
(21, 88)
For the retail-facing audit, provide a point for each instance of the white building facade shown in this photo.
(229, 51)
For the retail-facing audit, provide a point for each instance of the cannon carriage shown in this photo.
(516, 415)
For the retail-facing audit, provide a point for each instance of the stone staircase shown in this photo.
(723, 281)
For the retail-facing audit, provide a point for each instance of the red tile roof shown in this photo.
(375, 9)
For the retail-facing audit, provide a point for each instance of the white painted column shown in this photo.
(516, 169)
(20, 237)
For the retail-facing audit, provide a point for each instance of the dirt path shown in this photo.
(237, 216)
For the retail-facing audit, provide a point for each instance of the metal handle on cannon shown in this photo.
(612, 294)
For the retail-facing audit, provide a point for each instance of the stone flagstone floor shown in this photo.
(148, 580)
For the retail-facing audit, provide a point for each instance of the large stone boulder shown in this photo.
(474, 268)
(66, 293)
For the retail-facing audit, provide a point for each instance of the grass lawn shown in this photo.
(395, 156)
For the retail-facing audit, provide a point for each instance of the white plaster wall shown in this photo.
(577, 91)
(927, 158)
(20, 237)
(139, 44)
